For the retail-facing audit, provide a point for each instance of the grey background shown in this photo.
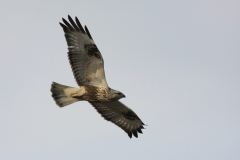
(177, 62)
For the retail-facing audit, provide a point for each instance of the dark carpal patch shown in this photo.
(130, 115)
(92, 50)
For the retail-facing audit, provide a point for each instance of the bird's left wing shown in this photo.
(121, 115)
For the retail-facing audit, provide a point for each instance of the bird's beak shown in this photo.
(124, 96)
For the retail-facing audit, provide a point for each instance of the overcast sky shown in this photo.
(177, 62)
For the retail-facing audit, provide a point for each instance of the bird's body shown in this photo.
(92, 93)
(88, 69)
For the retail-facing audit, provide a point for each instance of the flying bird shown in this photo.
(88, 69)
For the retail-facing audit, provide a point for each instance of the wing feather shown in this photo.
(85, 59)
(119, 114)
(73, 23)
(67, 24)
(79, 25)
(88, 33)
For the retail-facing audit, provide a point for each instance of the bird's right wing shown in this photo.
(85, 58)
(121, 115)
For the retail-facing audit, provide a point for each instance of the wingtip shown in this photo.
(135, 134)
(130, 135)
(79, 24)
(62, 25)
(69, 17)
(64, 21)
(88, 33)
(140, 131)
(76, 18)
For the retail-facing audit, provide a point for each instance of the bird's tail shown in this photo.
(62, 94)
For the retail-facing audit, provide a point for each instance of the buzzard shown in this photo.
(88, 69)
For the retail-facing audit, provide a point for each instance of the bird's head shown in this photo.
(116, 95)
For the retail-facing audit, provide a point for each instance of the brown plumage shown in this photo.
(88, 69)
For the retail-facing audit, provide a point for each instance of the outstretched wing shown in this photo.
(85, 58)
(121, 115)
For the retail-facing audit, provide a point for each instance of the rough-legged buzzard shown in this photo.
(88, 69)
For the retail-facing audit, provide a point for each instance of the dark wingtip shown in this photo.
(88, 33)
(69, 17)
(64, 21)
(130, 135)
(73, 23)
(79, 25)
(135, 134)
(61, 24)
(139, 130)
(67, 24)
(65, 28)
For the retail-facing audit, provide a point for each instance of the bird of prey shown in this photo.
(88, 69)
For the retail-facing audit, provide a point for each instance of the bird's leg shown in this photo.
(74, 95)
(79, 94)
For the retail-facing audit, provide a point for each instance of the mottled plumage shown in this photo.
(88, 69)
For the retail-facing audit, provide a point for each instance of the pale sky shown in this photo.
(177, 62)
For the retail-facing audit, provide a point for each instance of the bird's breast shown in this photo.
(93, 93)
